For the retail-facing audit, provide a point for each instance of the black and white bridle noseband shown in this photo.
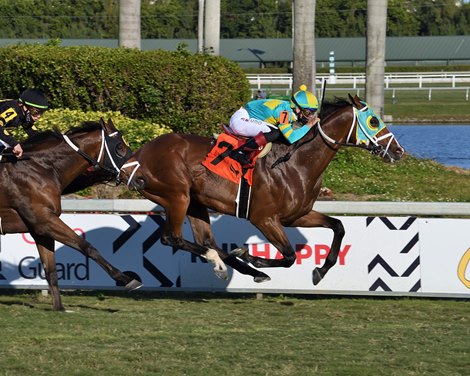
(104, 150)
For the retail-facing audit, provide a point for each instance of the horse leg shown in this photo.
(200, 224)
(45, 246)
(52, 226)
(175, 212)
(272, 230)
(316, 219)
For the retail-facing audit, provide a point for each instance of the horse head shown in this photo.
(116, 161)
(371, 132)
(108, 155)
(117, 151)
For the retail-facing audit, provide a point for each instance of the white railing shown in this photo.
(353, 80)
(330, 207)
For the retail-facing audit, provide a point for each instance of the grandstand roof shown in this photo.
(348, 51)
(353, 50)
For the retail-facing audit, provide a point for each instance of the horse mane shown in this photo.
(56, 134)
(328, 106)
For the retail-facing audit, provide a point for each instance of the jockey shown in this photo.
(264, 120)
(25, 112)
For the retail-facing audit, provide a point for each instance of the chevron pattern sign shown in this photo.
(396, 265)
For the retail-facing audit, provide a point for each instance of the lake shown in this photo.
(447, 144)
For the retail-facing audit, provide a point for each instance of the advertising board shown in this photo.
(379, 256)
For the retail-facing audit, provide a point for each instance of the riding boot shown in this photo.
(244, 153)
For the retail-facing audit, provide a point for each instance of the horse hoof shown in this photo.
(239, 252)
(221, 273)
(133, 285)
(220, 269)
(262, 278)
(316, 276)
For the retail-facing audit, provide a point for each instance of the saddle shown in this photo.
(260, 153)
(218, 161)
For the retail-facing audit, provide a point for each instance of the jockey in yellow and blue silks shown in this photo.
(265, 120)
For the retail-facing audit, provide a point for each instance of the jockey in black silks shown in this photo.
(24, 111)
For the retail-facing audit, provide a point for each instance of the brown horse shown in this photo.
(286, 184)
(30, 194)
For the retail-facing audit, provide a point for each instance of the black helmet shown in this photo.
(34, 98)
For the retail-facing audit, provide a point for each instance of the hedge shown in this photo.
(190, 93)
(135, 132)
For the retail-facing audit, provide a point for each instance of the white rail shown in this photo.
(452, 79)
(330, 207)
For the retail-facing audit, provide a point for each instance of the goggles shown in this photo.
(35, 111)
(308, 111)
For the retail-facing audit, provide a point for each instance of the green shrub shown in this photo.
(190, 93)
(136, 132)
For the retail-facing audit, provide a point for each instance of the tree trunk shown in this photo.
(304, 44)
(212, 27)
(200, 27)
(375, 50)
(129, 23)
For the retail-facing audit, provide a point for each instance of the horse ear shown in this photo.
(356, 101)
(108, 126)
(111, 125)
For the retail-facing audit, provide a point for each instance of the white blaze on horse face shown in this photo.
(220, 269)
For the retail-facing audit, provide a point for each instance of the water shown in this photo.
(447, 144)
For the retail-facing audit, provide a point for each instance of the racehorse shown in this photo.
(31, 187)
(286, 184)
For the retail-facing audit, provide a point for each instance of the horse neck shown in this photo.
(337, 127)
(68, 163)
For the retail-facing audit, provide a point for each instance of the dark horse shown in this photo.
(286, 184)
(30, 194)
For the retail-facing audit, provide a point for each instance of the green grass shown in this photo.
(414, 106)
(210, 334)
(446, 106)
(355, 174)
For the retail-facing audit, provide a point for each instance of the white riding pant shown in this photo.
(242, 125)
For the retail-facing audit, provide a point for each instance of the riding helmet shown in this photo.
(304, 99)
(34, 98)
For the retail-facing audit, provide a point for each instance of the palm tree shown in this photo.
(303, 24)
(129, 23)
(375, 51)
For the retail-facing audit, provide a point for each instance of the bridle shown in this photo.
(134, 164)
(113, 167)
(371, 144)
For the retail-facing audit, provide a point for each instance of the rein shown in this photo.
(95, 162)
(288, 155)
(372, 144)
